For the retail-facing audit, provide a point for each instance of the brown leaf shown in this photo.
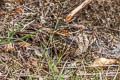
(16, 11)
(24, 44)
(20, 2)
(9, 47)
(2, 2)
(103, 62)
(31, 63)
(63, 32)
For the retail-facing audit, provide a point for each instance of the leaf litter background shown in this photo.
(36, 43)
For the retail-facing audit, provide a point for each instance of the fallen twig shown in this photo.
(72, 13)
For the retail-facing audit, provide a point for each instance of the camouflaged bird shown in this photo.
(76, 39)
(72, 39)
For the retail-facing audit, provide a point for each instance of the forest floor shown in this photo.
(37, 44)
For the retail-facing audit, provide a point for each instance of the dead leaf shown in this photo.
(24, 44)
(16, 11)
(103, 62)
(63, 32)
(2, 12)
(32, 63)
(20, 2)
(9, 47)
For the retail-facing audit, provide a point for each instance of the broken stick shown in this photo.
(72, 13)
